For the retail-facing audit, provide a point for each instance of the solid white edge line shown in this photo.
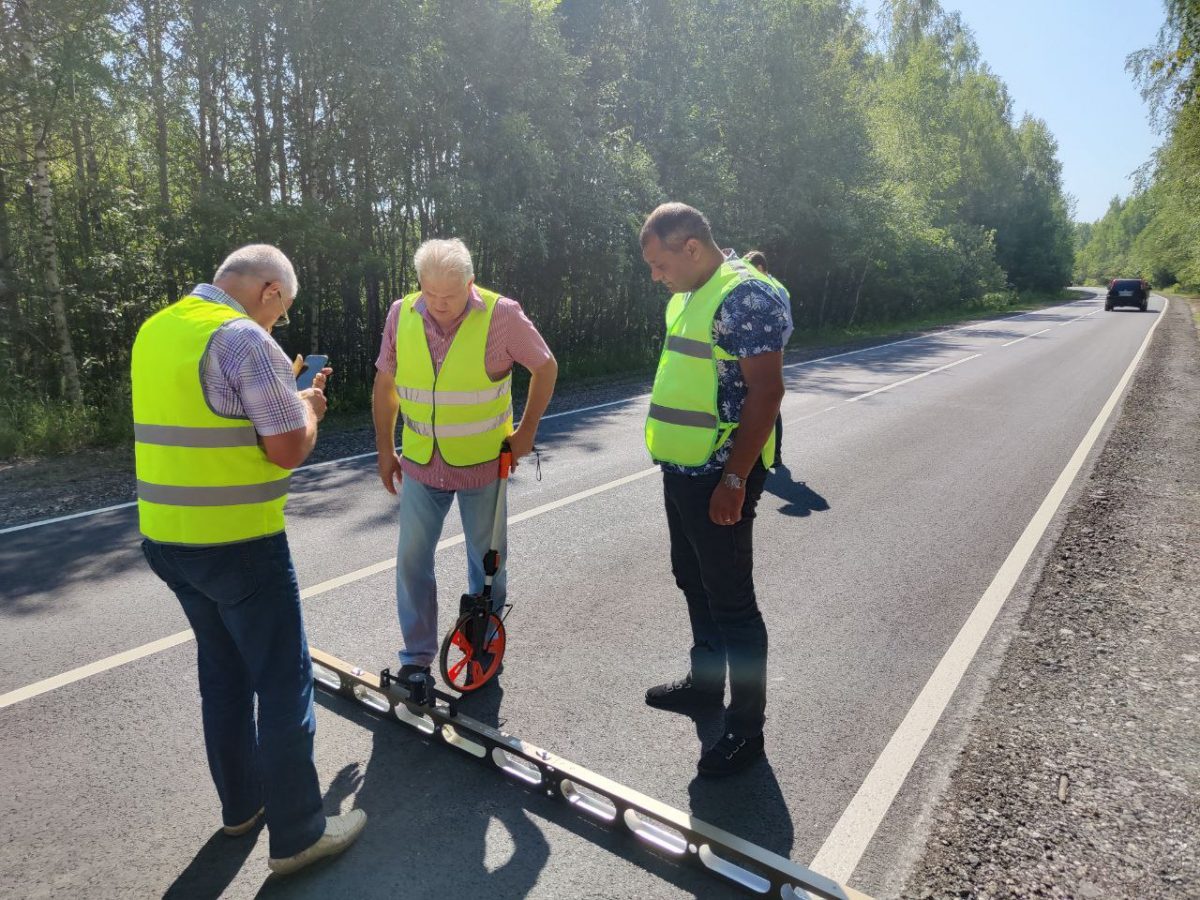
(120, 659)
(843, 848)
(911, 378)
(569, 412)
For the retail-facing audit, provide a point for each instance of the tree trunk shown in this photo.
(81, 180)
(8, 285)
(154, 28)
(153, 16)
(262, 142)
(204, 97)
(277, 119)
(47, 244)
(48, 248)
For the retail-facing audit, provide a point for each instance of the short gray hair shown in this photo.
(262, 261)
(445, 257)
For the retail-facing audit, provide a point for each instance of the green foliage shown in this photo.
(1155, 233)
(884, 178)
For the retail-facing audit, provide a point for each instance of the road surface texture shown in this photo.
(925, 483)
(1082, 775)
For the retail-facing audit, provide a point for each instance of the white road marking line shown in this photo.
(95, 668)
(79, 515)
(846, 843)
(128, 656)
(182, 637)
(570, 412)
(894, 384)
(1077, 318)
(1027, 337)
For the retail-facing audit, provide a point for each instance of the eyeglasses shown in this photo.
(283, 313)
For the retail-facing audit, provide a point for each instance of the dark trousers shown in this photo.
(714, 567)
(778, 441)
(243, 603)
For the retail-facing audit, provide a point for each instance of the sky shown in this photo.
(1064, 62)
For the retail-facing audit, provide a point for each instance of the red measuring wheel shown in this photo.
(472, 651)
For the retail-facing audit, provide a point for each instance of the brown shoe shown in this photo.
(340, 833)
(239, 830)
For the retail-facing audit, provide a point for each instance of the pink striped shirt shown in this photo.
(511, 339)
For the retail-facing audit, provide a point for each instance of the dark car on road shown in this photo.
(1127, 292)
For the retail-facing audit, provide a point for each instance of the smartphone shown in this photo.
(312, 365)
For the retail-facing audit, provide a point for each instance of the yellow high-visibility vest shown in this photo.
(202, 478)
(458, 408)
(684, 423)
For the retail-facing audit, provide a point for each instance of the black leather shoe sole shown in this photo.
(689, 698)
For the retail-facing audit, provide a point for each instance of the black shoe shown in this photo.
(684, 695)
(410, 669)
(732, 753)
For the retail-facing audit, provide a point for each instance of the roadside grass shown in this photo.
(34, 428)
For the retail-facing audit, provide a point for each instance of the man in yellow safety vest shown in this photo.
(445, 371)
(218, 427)
(711, 427)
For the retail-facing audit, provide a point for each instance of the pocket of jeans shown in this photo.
(226, 575)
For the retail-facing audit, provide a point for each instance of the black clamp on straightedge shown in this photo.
(421, 690)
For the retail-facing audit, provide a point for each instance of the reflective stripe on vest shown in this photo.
(202, 478)
(455, 398)
(683, 424)
(458, 408)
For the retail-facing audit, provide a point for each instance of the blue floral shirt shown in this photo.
(752, 320)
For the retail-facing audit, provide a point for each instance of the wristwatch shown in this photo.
(733, 482)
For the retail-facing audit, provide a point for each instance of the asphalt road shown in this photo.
(912, 470)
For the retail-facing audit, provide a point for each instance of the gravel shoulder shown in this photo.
(1081, 776)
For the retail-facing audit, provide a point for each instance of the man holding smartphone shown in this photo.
(218, 427)
(445, 369)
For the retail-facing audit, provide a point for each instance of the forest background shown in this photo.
(1155, 232)
(877, 162)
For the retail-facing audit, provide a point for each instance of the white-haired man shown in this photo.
(218, 427)
(445, 367)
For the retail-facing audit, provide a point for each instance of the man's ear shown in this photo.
(692, 247)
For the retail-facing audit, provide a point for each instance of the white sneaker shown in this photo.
(340, 833)
(238, 830)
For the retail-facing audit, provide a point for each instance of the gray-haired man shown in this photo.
(444, 368)
(218, 426)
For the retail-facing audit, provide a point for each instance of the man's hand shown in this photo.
(390, 472)
(321, 377)
(521, 444)
(315, 398)
(725, 507)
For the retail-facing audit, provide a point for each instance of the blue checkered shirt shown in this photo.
(246, 375)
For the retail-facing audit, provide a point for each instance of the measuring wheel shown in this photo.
(472, 651)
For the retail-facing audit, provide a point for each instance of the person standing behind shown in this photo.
(758, 259)
(445, 369)
(218, 427)
(715, 398)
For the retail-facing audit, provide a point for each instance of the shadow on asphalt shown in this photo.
(749, 804)
(441, 824)
(798, 498)
(36, 565)
(214, 867)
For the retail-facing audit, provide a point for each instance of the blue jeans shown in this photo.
(422, 513)
(243, 603)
